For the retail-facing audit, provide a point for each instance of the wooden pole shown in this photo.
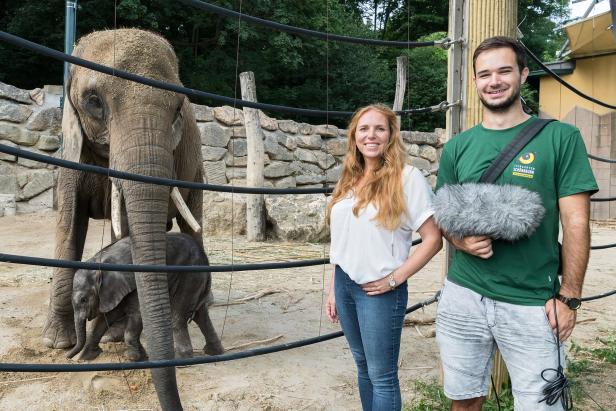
(402, 63)
(486, 18)
(473, 21)
(255, 215)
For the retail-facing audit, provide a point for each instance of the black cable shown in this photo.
(563, 82)
(16, 151)
(137, 268)
(602, 199)
(557, 388)
(305, 32)
(15, 367)
(58, 55)
(602, 247)
(495, 393)
(604, 160)
(596, 297)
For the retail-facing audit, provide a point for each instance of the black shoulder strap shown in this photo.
(504, 158)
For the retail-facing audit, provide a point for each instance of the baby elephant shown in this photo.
(110, 296)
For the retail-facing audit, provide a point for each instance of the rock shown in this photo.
(441, 136)
(236, 173)
(326, 130)
(297, 218)
(15, 113)
(214, 172)
(229, 116)
(8, 184)
(210, 153)
(238, 147)
(43, 201)
(307, 156)
(277, 169)
(275, 150)
(50, 118)
(413, 150)
(238, 131)
(309, 179)
(305, 128)
(48, 142)
(217, 213)
(266, 122)
(336, 146)
(101, 383)
(231, 161)
(431, 180)
(333, 174)
(428, 152)
(38, 96)
(343, 133)
(324, 160)
(8, 157)
(38, 181)
(310, 141)
(287, 141)
(17, 135)
(203, 113)
(8, 205)
(212, 134)
(422, 137)
(13, 93)
(285, 182)
(420, 163)
(288, 126)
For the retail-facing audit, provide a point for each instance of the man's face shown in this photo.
(498, 78)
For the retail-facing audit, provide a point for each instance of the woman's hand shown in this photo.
(330, 307)
(378, 287)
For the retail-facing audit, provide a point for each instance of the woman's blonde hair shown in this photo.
(384, 185)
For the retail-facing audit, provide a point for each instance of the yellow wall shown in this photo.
(594, 76)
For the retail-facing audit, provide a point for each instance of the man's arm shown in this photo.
(574, 217)
(477, 245)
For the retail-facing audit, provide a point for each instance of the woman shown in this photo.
(377, 204)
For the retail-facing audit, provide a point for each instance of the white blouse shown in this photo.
(367, 251)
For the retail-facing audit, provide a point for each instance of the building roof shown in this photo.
(591, 36)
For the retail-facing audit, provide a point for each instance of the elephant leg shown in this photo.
(71, 229)
(213, 346)
(99, 325)
(183, 346)
(116, 331)
(132, 332)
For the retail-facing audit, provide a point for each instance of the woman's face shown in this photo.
(372, 135)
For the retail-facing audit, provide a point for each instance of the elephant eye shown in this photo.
(83, 300)
(94, 105)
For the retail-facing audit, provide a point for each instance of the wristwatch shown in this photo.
(572, 302)
(392, 281)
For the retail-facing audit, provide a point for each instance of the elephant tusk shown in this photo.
(116, 212)
(184, 210)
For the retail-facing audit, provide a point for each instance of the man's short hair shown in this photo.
(498, 42)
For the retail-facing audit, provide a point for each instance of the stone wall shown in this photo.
(296, 154)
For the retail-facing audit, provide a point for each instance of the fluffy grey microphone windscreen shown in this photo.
(504, 212)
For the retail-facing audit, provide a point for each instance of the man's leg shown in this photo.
(466, 345)
(528, 346)
(347, 314)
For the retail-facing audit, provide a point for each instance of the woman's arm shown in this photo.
(431, 243)
(330, 306)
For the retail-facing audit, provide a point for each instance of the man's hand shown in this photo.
(566, 318)
(477, 245)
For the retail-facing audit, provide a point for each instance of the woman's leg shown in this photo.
(347, 314)
(380, 322)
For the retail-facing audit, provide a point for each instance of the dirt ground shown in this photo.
(316, 377)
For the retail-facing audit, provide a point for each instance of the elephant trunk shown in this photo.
(147, 208)
(80, 330)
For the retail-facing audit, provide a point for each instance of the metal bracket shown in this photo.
(447, 42)
(445, 105)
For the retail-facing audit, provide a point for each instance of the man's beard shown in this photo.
(504, 106)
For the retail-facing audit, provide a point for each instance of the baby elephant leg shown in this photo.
(132, 332)
(115, 333)
(99, 325)
(213, 346)
(181, 339)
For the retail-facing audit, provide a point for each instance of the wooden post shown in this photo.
(402, 63)
(255, 214)
(486, 18)
(473, 21)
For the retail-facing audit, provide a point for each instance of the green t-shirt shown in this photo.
(554, 164)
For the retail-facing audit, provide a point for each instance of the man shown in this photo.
(501, 293)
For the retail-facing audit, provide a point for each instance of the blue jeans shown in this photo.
(372, 326)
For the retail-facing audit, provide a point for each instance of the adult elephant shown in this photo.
(134, 128)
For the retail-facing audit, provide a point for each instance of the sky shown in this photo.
(579, 8)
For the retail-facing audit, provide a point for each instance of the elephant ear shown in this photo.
(72, 133)
(115, 285)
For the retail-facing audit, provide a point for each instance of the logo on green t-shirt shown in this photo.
(522, 167)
